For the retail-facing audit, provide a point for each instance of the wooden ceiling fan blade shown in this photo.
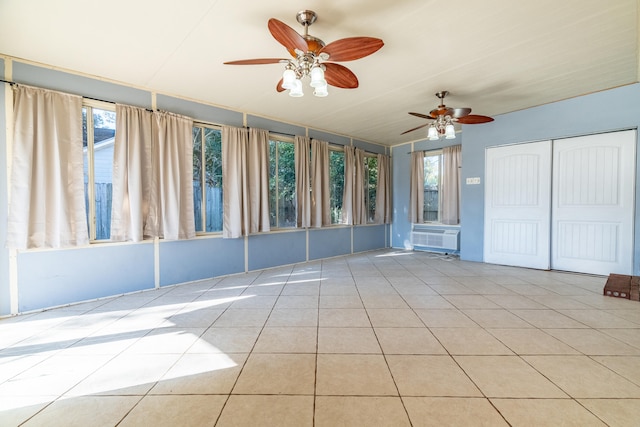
(279, 87)
(340, 76)
(474, 119)
(286, 36)
(411, 130)
(256, 61)
(424, 116)
(352, 48)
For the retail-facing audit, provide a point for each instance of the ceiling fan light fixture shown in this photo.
(311, 57)
(317, 76)
(433, 133)
(296, 90)
(288, 78)
(449, 132)
(321, 91)
(444, 119)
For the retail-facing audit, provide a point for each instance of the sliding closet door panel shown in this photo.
(518, 205)
(592, 216)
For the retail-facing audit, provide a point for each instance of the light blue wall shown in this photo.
(372, 148)
(368, 237)
(201, 112)
(187, 260)
(79, 85)
(401, 170)
(605, 111)
(329, 137)
(401, 226)
(4, 252)
(274, 126)
(56, 277)
(271, 250)
(325, 243)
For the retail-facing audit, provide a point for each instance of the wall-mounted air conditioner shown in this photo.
(436, 239)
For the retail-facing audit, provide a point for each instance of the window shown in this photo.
(98, 135)
(336, 183)
(432, 185)
(282, 184)
(207, 178)
(370, 185)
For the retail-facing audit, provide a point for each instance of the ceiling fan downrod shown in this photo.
(306, 18)
(441, 95)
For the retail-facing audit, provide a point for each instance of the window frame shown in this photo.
(203, 155)
(286, 139)
(367, 199)
(338, 149)
(89, 105)
(434, 153)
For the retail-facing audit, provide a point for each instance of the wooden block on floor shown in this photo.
(618, 285)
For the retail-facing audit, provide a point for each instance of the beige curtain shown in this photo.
(245, 181)
(234, 152)
(171, 198)
(302, 145)
(383, 205)
(347, 194)
(47, 206)
(131, 173)
(258, 180)
(451, 183)
(416, 195)
(320, 211)
(359, 206)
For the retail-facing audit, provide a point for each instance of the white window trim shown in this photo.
(432, 153)
(205, 125)
(90, 105)
(276, 137)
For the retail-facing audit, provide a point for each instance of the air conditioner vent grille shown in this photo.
(436, 239)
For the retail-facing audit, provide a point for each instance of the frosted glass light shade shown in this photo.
(321, 91)
(288, 78)
(317, 77)
(433, 133)
(296, 90)
(449, 132)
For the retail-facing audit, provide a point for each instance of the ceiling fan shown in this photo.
(443, 118)
(312, 57)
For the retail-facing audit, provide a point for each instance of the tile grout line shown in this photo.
(384, 355)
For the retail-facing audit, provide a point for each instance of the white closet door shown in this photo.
(593, 193)
(518, 205)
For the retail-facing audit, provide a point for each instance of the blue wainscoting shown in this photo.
(188, 260)
(368, 237)
(274, 249)
(329, 242)
(58, 277)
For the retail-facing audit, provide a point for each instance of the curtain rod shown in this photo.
(433, 149)
(82, 96)
(86, 97)
(274, 133)
(113, 102)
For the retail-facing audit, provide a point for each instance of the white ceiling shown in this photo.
(494, 56)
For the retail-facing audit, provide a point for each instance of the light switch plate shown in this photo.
(473, 181)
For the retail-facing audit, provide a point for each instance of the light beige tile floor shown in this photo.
(384, 338)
